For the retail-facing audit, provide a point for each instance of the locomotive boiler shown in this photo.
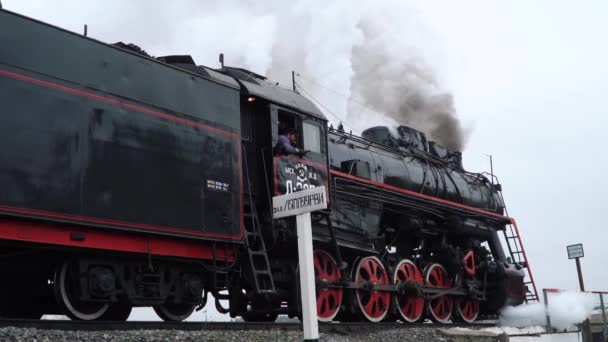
(133, 181)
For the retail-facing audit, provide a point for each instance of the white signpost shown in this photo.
(301, 203)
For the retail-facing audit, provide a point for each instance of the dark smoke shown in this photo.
(402, 88)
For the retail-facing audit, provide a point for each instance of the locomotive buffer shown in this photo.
(301, 203)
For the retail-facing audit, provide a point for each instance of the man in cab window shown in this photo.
(287, 144)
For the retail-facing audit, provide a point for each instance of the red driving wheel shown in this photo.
(439, 309)
(329, 300)
(374, 304)
(410, 307)
(467, 309)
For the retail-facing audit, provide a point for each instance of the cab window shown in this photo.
(312, 137)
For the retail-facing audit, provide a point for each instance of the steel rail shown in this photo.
(344, 327)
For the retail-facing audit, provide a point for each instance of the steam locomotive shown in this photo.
(130, 181)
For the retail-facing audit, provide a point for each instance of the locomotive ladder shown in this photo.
(256, 251)
(255, 248)
(518, 256)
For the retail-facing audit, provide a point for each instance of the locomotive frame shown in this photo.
(147, 181)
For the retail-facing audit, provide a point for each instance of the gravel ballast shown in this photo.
(391, 335)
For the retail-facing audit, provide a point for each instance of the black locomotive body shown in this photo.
(147, 181)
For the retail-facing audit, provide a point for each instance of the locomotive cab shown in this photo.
(294, 172)
(267, 110)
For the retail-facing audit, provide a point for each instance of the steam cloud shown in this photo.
(403, 89)
(565, 309)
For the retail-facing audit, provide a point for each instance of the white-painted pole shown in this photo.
(307, 278)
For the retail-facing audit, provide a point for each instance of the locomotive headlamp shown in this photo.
(251, 99)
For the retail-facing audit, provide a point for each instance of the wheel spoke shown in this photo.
(318, 269)
(327, 268)
(371, 270)
(401, 276)
(370, 307)
(322, 304)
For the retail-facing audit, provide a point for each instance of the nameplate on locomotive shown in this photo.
(299, 202)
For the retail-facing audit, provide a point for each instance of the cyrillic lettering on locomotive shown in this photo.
(294, 174)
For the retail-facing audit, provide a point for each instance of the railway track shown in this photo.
(192, 326)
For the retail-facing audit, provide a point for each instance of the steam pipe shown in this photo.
(496, 247)
(334, 241)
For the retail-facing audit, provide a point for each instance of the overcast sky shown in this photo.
(528, 80)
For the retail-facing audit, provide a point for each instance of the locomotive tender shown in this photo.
(130, 181)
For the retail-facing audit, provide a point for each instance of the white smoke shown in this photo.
(565, 309)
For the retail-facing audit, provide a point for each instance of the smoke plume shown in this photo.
(565, 310)
(403, 88)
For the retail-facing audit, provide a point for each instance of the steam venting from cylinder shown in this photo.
(405, 90)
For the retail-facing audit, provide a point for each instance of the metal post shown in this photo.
(307, 278)
(587, 334)
(604, 330)
(580, 274)
(546, 298)
(293, 81)
(491, 169)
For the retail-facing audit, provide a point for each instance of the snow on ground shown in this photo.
(530, 334)
(495, 331)
(566, 337)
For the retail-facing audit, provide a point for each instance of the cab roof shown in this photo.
(259, 86)
(249, 83)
